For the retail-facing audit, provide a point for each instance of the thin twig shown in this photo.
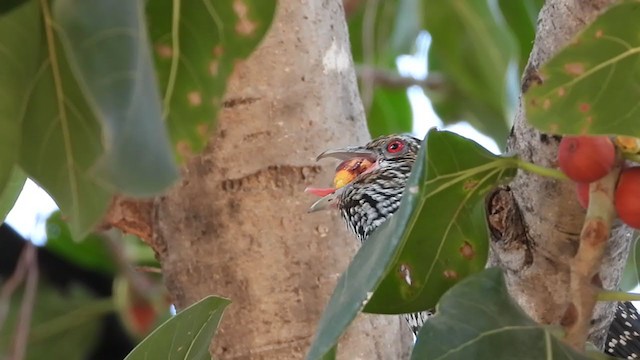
(139, 283)
(393, 80)
(585, 266)
(28, 301)
(148, 269)
(12, 283)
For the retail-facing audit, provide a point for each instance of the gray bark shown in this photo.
(536, 221)
(237, 224)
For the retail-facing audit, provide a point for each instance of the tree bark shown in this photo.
(237, 224)
(536, 221)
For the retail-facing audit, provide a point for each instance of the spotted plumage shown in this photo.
(372, 198)
(623, 339)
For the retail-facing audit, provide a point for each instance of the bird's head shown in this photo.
(378, 174)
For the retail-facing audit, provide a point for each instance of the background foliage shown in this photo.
(97, 99)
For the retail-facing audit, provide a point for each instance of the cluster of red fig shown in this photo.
(585, 159)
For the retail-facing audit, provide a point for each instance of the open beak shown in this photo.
(330, 196)
(348, 154)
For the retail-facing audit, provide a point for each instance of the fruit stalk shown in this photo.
(585, 284)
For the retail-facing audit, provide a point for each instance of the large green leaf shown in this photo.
(64, 325)
(630, 279)
(9, 5)
(91, 253)
(473, 48)
(453, 106)
(11, 191)
(448, 180)
(379, 34)
(522, 18)
(477, 319)
(390, 112)
(447, 238)
(61, 138)
(186, 335)
(196, 44)
(108, 46)
(592, 86)
(19, 46)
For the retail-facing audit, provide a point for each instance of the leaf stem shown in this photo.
(632, 157)
(540, 170)
(618, 296)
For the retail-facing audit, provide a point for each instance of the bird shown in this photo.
(374, 195)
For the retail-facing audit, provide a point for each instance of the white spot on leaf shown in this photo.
(366, 300)
(404, 269)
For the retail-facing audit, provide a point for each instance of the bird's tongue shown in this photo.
(320, 192)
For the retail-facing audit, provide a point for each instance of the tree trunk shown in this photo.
(237, 225)
(536, 221)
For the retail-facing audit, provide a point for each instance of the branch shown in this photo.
(585, 266)
(28, 301)
(132, 216)
(12, 283)
(393, 80)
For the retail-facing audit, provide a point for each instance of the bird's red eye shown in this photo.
(395, 146)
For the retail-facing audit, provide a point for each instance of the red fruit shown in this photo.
(627, 197)
(582, 190)
(143, 316)
(585, 159)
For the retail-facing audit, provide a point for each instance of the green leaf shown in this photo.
(107, 45)
(10, 194)
(186, 335)
(477, 317)
(390, 112)
(64, 325)
(447, 238)
(591, 86)
(61, 138)
(9, 5)
(196, 44)
(630, 278)
(522, 18)
(331, 355)
(453, 106)
(90, 253)
(19, 45)
(474, 50)
(448, 179)
(379, 34)
(138, 252)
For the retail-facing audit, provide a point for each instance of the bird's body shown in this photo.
(375, 193)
